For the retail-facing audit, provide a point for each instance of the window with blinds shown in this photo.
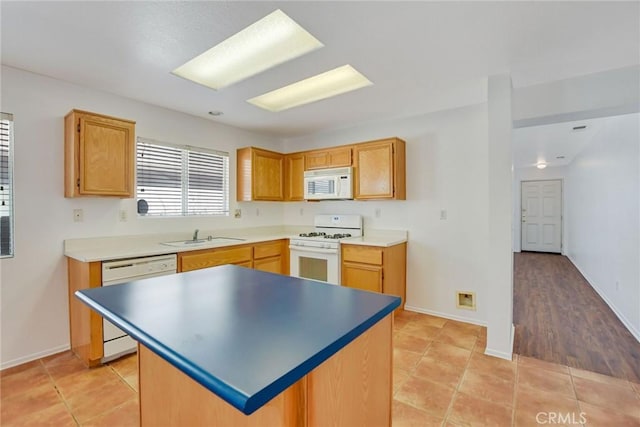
(177, 180)
(6, 185)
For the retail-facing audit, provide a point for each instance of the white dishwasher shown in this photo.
(116, 341)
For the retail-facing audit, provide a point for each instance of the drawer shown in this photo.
(268, 249)
(195, 261)
(362, 254)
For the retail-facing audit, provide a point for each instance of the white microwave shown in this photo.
(327, 184)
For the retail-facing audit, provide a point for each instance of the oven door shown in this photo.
(315, 263)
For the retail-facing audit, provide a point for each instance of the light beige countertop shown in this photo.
(384, 238)
(122, 247)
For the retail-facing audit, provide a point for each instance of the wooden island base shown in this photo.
(351, 388)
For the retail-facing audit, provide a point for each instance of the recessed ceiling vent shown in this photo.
(583, 127)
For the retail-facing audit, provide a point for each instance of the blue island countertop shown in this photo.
(244, 334)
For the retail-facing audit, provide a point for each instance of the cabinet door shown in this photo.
(99, 155)
(374, 170)
(316, 160)
(362, 276)
(340, 157)
(196, 260)
(271, 264)
(268, 249)
(330, 158)
(268, 174)
(294, 177)
(106, 157)
(362, 254)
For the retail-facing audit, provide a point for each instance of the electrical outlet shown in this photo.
(301, 211)
(78, 215)
(237, 213)
(378, 212)
(443, 214)
(257, 212)
(123, 215)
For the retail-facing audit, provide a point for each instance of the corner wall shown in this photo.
(603, 198)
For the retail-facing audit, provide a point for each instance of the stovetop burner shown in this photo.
(314, 234)
(337, 236)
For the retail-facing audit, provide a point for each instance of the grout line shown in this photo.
(62, 398)
(457, 387)
(121, 378)
(515, 390)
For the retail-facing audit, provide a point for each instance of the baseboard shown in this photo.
(499, 354)
(620, 316)
(445, 315)
(34, 356)
(503, 354)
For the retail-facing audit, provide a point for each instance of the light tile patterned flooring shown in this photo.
(441, 378)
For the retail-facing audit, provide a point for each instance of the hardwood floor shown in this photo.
(559, 318)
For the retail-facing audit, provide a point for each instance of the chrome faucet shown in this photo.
(195, 235)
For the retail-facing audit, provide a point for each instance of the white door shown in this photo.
(541, 216)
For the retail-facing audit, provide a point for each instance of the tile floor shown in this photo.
(441, 378)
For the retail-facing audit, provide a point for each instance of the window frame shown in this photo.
(184, 179)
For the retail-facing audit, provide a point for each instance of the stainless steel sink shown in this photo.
(201, 242)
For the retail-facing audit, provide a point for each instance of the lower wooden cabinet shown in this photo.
(362, 276)
(375, 268)
(85, 325)
(271, 256)
(195, 260)
(266, 256)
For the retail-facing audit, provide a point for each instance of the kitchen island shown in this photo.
(234, 346)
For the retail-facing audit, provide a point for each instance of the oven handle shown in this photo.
(316, 250)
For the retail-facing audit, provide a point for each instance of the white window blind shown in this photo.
(6, 185)
(177, 180)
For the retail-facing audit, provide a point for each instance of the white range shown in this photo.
(316, 255)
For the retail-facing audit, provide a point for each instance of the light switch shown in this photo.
(443, 214)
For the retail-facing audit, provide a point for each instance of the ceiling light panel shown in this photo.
(274, 39)
(331, 83)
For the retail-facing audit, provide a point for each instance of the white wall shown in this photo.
(34, 310)
(446, 169)
(500, 255)
(535, 174)
(603, 192)
(603, 94)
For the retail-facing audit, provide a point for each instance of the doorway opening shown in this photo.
(541, 216)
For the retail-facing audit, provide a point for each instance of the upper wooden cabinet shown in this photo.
(379, 169)
(329, 158)
(99, 155)
(294, 176)
(260, 175)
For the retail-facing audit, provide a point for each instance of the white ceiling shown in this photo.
(414, 52)
(547, 142)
